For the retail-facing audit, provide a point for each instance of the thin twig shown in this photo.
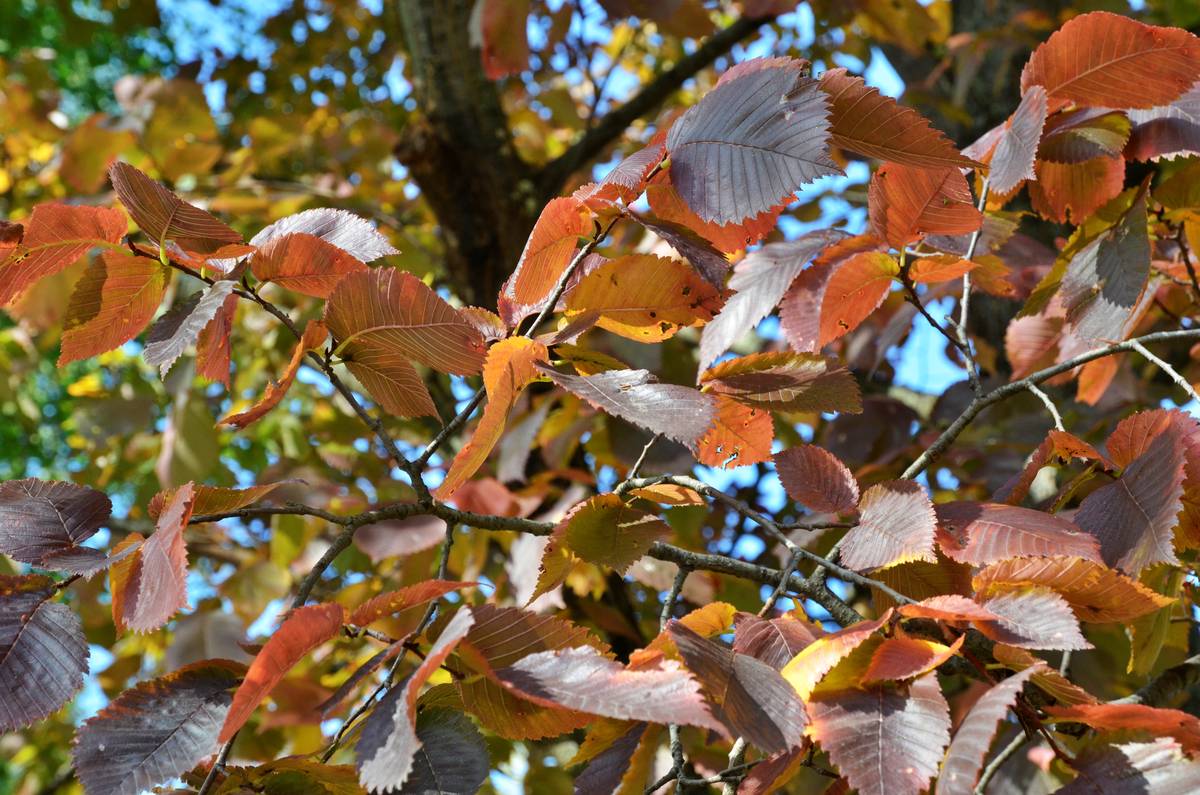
(998, 762)
(1049, 404)
(965, 302)
(218, 766)
(1171, 372)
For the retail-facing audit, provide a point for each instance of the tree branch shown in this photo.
(615, 122)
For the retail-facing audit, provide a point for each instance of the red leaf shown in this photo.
(214, 344)
(668, 205)
(981, 533)
(549, 249)
(304, 629)
(751, 142)
(1179, 726)
(1095, 592)
(746, 694)
(508, 368)
(785, 381)
(501, 36)
(1113, 61)
(626, 181)
(56, 235)
(1168, 130)
(42, 518)
(386, 604)
(1012, 161)
(43, 654)
(389, 740)
(759, 281)
(314, 336)
(815, 478)
(968, 749)
(503, 635)
(896, 524)
(818, 658)
(303, 263)
(885, 741)
(740, 435)
(1075, 190)
(582, 679)
(1134, 518)
(855, 289)
(150, 585)
(163, 216)
(1033, 618)
(156, 731)
(676, 412)
(901, 657)
(865, 121)
(775, 641)
(906, 203)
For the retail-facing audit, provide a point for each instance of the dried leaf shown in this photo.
(314, 336)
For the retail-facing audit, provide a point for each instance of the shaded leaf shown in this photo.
(149, 585)
(1179, 726)
(751, 142)
(905, 203)
(43, 654)
(387, 748)
(865, 121)
(356, 236)
(896, 524)
(644, 297)
(1095, 592)
(623, 767)
(759, 281)
(885, 741)
(669, 206)
(116, 298)
(1058, 445)
(815, 478)
(514, 718)
(1158, 767)
(163, 216)
(775, 641)
(156, 731)
(40, 518)
(452, 757)
(785, 381)
(582, 679)
(980, 533)
(178, 328)
(399, 537)
(1167, 131)
(1113, 61)
(968, 749)
(500, 636)
(708, 262)
(215, 499)
(746, 694)
(676, 412)
(303, 630)
(55, 236)
(314, 336)
(1012, 162)
(303, 263)
(506, 371)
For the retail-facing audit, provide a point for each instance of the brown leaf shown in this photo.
(303, 263)
(815, 478)
(163, 216)
(740, 435)
(906, 203)
(785, 381)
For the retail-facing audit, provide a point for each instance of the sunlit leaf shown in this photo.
(150, 585)
(303, 263)
(55, 236)
(785, 381)
(896, 524)
(982, 533)
(163, 216)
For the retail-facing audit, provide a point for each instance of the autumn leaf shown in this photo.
(40, 519)
(1076, 136)
(150, 585)
(303, 263)
(1032, 617)
(896, 524)
(549, 249)
(304, 629)
(854, 290)
(1173, 723)
(54, 237)
(1013, 159)
(669, 206)
(353, 235)
(1166, 131)
(392, 602)
(807, 668)
(314, 336)
(625, 181)
(156, 731)
(768, 120)
(815, 478)
(901, 657)
(865, 121)
(1113, 61)
(163, 216)
(43, 654)
(740, 435)
(785, 381)
(177, 329)
(983, 533)
(114, 301)
(1074, 191)
(907, 203)
(644, 297)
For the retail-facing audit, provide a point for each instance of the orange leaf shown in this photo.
(1181, 726)
(164, 216)
(901, 657)
(549, 249)
(1076, 190)
(303, 263)
(939, 268)
(214, 499)
(303, 630)
(740, 435)
(386, 604)
(668, 205)
(644, 297)
(815, 660)
(314, 335)
(116, 298)
(906, 203)
(854, 291)
(509, 367)
(1113, 61)
(56, 235)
